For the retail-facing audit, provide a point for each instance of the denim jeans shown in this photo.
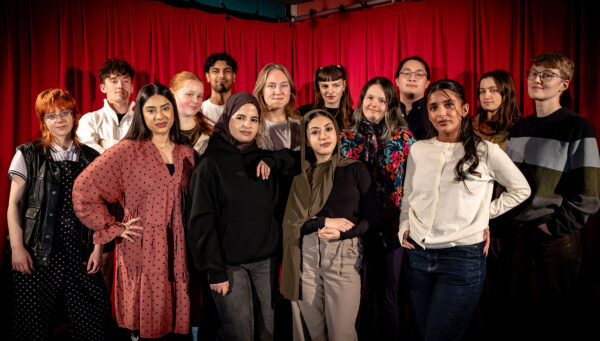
(444, 287)
(246, 311)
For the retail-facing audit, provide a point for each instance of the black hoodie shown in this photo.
(230, 211)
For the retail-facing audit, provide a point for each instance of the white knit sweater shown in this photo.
(440, 212)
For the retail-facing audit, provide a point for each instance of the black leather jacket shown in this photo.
(41, 201)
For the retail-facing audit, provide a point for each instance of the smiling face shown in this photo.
(321, 137)
(189, 98)
(117, 88)
(374, 104)
(489, 96)
(159, 115)
(59, 122)
(243, 124)
(220, 76)
(446, 112)
(550, 88)
(277, 90)
(332, 92)
(412, 80)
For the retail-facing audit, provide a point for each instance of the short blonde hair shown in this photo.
(556, 60)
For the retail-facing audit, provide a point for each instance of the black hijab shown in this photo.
(233, 104)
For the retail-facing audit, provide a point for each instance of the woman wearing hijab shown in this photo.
(148, 174)
(232, 233)
(331, 204)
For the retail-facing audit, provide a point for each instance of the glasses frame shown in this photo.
(545, 76)
(408, 74)
(53, 116)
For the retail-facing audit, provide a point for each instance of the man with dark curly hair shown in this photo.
(103, 128)
(220, 70)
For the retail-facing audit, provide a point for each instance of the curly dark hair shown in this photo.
(213, 58)
(115, 66)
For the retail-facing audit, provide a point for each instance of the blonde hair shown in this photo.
(261, 81)
(556, 60)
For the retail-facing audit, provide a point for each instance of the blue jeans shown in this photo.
(444, 287)
(250, 292)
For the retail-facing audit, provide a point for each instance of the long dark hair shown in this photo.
(332, 73)
(393, 118)
(508, 113)
(139, 130)
(467, 137)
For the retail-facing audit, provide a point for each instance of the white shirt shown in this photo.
(104, 125)
(212, 111)
(440, 212)
(18, 166)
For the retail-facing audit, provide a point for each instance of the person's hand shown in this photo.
(263, 170)
(544, 228)
(486, 238)
(340, 224)
(94, 264)
(329, 234)
(405, 243)
(128, 232)
(21, 260)
(220, 288)
(495, 247)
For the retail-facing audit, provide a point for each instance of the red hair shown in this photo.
(46, 102)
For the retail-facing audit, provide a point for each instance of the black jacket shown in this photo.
(229, 211)
(41, 200)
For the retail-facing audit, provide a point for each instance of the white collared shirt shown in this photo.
(104, 125)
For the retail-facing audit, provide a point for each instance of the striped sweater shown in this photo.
(558, 154)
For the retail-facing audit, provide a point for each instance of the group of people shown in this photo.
(171, 201)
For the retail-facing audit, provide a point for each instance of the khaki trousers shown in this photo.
(329, 288)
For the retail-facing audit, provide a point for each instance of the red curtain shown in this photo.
(63, 43)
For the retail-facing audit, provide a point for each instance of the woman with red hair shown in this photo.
(53, 256)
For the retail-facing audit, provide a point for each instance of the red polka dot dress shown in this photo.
(151, 277)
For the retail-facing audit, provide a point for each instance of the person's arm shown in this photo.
(579, 186)
(404, 228)
(98, 184)
(202, 235)
(369, 215)
(506, 173)
(21, 260)
(284, 161)
(88, 134)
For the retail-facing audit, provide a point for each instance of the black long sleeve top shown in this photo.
(352, 197)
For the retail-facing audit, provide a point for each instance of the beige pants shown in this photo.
(330, 290)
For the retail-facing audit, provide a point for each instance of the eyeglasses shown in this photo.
(408, 74)
(52, 117)
(545, 76)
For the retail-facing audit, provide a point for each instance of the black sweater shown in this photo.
(229, 211)
(352, 197)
